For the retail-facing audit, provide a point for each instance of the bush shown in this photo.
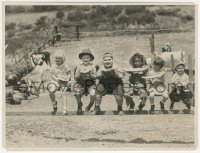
(10, 26)
(135, 9)
(14, 9)
(186, 18)
(25, 26)
(168, 12)
(76, 16)
(60, 14)
(44, 8)
(10, 33)
(41, 23)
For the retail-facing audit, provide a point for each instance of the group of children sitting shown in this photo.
(144, 81)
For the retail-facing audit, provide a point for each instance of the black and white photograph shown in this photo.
(99, 76)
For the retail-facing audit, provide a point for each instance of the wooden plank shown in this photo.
(72, 113)
(191, 76)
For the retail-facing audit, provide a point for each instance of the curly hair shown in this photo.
(135, 56)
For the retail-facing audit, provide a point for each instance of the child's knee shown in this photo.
(165, 95)
(151, 95)
(92, 93)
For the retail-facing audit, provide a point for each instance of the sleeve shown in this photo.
(186, 80)
(93, 72)
(53, 73)
(173, 79)
(99, 73)
(77, 73)
(68, 72)
(119, 72)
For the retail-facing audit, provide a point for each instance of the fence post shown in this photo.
(77, 32)
(191, 77)
(152, 43)
(173, 65)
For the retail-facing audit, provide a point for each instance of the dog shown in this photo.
(40, 58)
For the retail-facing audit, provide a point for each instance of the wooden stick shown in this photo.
(173, 65)
(191, 77)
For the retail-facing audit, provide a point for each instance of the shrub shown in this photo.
(25, 26)
(60, 14)
(10, 26)
(76, 16)
(10, 33)
(41, 23)
(186, 18)
(168, 12)
(135, 9)
(14, 9)
(44, 8)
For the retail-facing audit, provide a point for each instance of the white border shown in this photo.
(101, 1)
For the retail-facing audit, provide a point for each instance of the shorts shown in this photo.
(153, 91)
(175, 97)
(81, 90)
(61, 84)
(102, 90)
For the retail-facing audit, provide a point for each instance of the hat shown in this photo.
(86, 52)
(107, 55)
(179, 63)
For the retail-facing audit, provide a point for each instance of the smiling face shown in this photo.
(137, 62)
(156, 68)
(108, 62)
(86, 59)
(59, 60)
(180, 69)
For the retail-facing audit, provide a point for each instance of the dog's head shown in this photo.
(38, 59)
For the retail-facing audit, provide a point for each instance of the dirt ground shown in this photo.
(87, 131)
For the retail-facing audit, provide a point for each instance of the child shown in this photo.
(179, 88)
(154, 81)
(85, 76)
(61, 76)
(139, 83)
(109, 77)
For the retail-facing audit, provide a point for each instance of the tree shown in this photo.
(60, 14)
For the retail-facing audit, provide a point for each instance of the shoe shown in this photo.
(171, 106)
(121, 112)
(151, 111)
(96, 111)
(55, 108)
(79, 110)
(188, 106)
(65, 112)
(162, 106)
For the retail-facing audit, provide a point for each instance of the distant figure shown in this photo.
(166, 48)
(56, 36)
